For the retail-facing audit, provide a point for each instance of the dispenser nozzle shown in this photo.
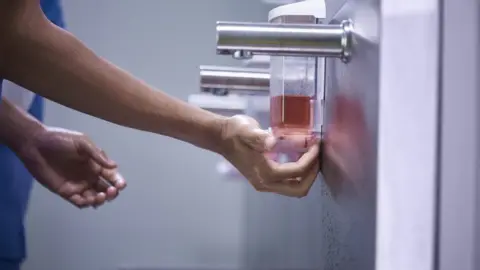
(225, 80)
(321, 40)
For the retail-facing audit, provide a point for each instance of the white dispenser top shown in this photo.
(316, 8)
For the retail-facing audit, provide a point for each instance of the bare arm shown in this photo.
(16, 126)
(51, 62)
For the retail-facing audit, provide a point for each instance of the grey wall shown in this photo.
(459, 234)
(176, 211)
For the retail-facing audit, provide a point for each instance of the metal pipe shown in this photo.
(320, 40)
(224, 80)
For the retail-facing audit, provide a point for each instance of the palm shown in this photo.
(68, 164)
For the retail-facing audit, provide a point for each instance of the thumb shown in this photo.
(296, 142)
(258, 139)
(97, 155)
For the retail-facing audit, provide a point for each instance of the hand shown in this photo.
(246, 146)
(70, 165)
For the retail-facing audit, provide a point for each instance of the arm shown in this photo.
(53, 63)
(16, 126)
(49, 61)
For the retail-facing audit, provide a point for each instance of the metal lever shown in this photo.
(320, 40)
(224, 80)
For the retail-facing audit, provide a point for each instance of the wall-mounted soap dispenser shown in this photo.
(297, 41)
(296, 83)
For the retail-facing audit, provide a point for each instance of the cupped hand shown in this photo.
(70, 165)
(246, 146)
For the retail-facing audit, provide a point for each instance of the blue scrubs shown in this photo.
(16, 181)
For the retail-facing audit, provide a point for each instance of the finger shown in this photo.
(296, 179)
(78, 201)
(260, 187)
(297, 189)
(104, 186)
(105, 156)
(258, 184)
(100, 171)
(100, 199)
(88, 149)
(70, 188)
(55, 182)
(101, 185)
(112, 193)
(297, 142)
(89, 196)
(114, 178)
(307, 182)
(258, 139)
(96, 168)
(293, 169)
(249, 120)
(109, 181)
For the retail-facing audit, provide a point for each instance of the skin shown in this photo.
(65, 162)
(51, 62)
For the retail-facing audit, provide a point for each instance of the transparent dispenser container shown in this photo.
(293, 96)
(295, 100)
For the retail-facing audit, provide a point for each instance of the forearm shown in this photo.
(16, 126)
(56, 65)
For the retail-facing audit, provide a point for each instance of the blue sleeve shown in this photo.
(53, 11)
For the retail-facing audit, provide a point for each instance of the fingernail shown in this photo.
(110, 191)
(119, 179)
(120, 182)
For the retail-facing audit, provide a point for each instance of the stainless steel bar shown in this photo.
(321, 40)
(225, 80)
